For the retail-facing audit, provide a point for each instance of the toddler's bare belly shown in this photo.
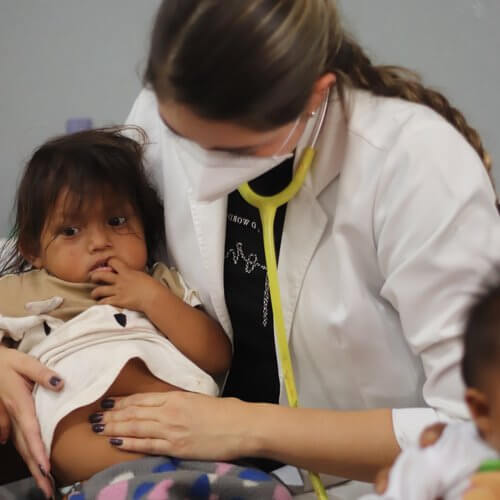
(77, 452)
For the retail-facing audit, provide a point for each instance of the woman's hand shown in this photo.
(176, 423)
(484, 486)
(18, 373)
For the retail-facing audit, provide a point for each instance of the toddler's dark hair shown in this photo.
(94, 165)
(482, 335)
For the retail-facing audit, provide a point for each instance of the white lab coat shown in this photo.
(382, 250)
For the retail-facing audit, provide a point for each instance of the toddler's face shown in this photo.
(72, 246)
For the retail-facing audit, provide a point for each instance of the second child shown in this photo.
(443, 470)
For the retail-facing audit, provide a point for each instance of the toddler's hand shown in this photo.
(428, 437)
(382, 480)
(484, 486)
(431, 434)
(124, 287)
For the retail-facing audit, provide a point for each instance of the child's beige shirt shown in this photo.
(88, 344)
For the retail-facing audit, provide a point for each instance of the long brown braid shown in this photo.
(354, 68)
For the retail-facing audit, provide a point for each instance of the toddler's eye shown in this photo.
(70, 231)
(117, 221)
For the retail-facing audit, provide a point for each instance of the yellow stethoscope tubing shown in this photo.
(267, 206)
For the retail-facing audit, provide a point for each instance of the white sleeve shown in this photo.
(408, 423)
(437, 232)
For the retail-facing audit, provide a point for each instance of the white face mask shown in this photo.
(213, 174)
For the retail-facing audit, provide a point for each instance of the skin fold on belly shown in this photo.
(77, 452)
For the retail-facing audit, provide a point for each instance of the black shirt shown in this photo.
(254, 371)
(253, 375)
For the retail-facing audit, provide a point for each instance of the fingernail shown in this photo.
(95, 418)
(42, 470)
(116, 441)
(98, 428)
(107, 404)
(55, 381)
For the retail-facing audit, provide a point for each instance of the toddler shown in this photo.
(81, 293)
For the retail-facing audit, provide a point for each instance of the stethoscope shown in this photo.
(267, 206)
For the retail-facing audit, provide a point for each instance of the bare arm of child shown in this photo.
(193, 332)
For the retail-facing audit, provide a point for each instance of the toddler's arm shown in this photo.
(192, 331)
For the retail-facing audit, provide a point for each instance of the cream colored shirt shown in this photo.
(88, 344)
(18, 292)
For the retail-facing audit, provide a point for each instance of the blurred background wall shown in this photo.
(69, 58)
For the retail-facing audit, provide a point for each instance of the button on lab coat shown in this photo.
(382, 251)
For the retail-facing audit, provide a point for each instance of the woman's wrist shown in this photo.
(256, 424)
(363, 440)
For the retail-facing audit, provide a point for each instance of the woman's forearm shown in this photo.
(351, 444)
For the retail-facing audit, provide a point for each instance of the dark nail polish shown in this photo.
(42, 470)
(98, 428)
(107, 404)
(55, 381)
(95, 418)
(116, 441)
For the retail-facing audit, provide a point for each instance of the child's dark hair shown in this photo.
(93, 165)
(482, 335)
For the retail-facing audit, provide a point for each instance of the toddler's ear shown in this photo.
(479, 409)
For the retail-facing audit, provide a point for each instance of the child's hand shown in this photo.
(484, 486)
(382, 480)
(124, 287)
(430, 435)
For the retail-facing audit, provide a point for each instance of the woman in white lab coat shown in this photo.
(379, 252)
